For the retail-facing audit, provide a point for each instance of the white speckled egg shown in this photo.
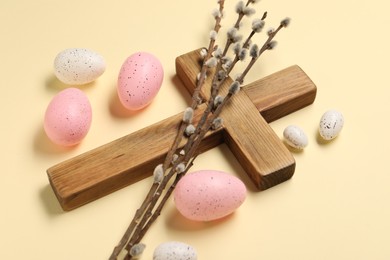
(295, 137)
(139, 80)
(174, 251)
(208, 195)
(331, 123)
(68, 117)
(77, 66)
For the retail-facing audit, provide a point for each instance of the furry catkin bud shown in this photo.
(237, 48)
(271, 45)
(285, 22)
(240, 6)
(216, 13)
(190, 129)
(225, 59)
(221, 75)
(180, 168)
(217, 123)
(242, 54)
(188, 114)
(203, 52)
(254, 51)
(232, 33)
(270, 31)
(248, 11)
(213, 35)
(218, 53)
(227, 63)
(158, 174)
(212, 62)
(137, 250)
(237, 77)
(257, 25)
(218, 100)
(234, 87)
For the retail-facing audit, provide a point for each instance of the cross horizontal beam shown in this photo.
(124, 161)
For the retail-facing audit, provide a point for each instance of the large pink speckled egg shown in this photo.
(208, 195)
(139, 80)
(68, 117)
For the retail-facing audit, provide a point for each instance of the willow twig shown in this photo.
(177, 163)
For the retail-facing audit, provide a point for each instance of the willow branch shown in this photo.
(177, 165)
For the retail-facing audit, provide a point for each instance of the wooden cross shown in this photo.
(131, 158)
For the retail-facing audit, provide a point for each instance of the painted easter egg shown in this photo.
(331, 123)
(139, 80)
(77, 66)
(208, 195)
(174, 251)
(68, 117)
(295, 137)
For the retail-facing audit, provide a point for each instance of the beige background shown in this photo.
(335, 207)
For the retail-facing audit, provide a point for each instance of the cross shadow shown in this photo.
(237, 168)
(50, 202)
(53, 84)
(176, 81)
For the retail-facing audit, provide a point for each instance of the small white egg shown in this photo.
(331, 123)
(78, 66)
(295, 137)
(174, 251)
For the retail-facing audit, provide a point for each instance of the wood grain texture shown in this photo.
(259, 150)
(119, 163)
(275, 96)
(133, 157)
(282, 93)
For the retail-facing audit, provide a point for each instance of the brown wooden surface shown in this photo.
(126, 160)
(259, 150)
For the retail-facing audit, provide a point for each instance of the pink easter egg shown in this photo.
(208, 195)
(139, 80)
(68, 117)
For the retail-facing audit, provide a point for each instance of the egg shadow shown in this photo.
(293, 149)
(176, 81)
(237, 168)
(321, 141)
(53, 84)
(117, 110)
(176, 221)
(43, 145)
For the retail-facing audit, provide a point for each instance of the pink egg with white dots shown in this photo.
(139, 80)
(208, 195)
(68, 117)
